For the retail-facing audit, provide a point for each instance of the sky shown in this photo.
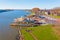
(29, 4)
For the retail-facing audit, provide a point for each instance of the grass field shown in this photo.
(54, 16)
(43, 32)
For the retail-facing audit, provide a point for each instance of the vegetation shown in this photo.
(32, 13)
(26, 36)
(41, 33)
(54, 16)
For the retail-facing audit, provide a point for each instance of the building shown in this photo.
(55, 12)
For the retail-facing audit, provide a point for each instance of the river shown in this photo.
(7, 33)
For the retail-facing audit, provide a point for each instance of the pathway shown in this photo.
(34, 37)
(21, 37)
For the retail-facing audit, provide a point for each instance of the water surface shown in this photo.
(7, 33)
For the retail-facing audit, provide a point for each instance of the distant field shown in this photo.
(54, 16)
(44, 32)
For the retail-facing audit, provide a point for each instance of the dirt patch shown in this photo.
(21, 38)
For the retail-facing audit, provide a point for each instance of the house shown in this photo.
(55, 12)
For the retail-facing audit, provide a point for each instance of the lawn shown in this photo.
(54, 16)
(43, 32)
(26, 36)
